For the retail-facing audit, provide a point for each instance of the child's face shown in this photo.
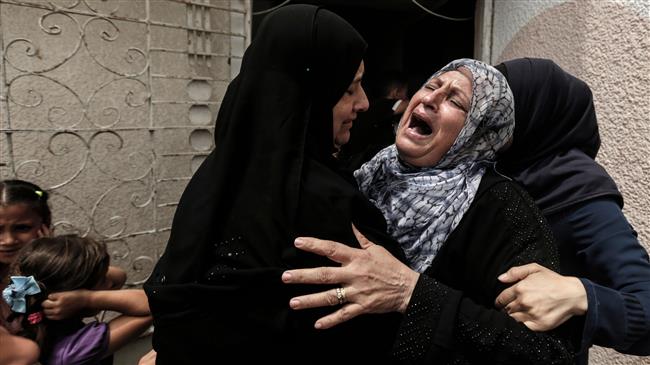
(19, 224)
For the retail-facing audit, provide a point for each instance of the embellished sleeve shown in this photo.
(88, 345)
(451, 319)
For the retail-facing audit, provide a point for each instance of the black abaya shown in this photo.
(216, 292)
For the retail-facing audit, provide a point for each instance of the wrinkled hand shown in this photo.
(373, 280)
(65, 304)
(541, 299)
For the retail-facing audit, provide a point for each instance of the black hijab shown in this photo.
(556, 136)
(270, 178)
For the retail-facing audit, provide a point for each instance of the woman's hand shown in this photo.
(372, 280)
(541, 299)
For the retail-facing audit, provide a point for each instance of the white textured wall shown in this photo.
(607, 44)
(110, 106)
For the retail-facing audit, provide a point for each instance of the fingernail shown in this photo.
(294, 303)
(318, 325)
(286, 277)
(502, 277)
(299, 242)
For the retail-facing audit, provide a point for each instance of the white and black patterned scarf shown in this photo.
(422, 206)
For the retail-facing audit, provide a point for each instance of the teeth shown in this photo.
(420, 126)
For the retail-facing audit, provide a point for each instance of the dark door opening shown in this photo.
(401, 35)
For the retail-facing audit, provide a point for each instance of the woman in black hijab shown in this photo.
(556, 140)
(216, 292)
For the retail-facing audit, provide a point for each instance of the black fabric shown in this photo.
(556, 136)
(451, 317)
(216, 292)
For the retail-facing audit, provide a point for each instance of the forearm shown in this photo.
(617, 277)
(125, 329)
(627, 332)
(441, 321)
(131, 302)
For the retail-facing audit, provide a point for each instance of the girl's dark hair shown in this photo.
(60, 263)
(65, 262)
(20, 191)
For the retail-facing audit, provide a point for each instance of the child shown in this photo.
(77, 267)
(24, 216)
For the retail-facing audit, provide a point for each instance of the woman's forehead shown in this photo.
(460, 74)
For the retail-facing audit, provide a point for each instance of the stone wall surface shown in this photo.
(110, 106)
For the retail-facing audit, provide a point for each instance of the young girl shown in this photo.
(77, 267)
(24, 216)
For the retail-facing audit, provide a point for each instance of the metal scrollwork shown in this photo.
(135, 93)
(118, 206)
(60, 146)
(57, 4)
(80, 105)
(62, 107)
(32, 57)
(97, 10)
(142, 267)
(108, 152)
(134, 60)
(69, 216)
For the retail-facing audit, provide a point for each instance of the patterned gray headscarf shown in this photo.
(422, 206)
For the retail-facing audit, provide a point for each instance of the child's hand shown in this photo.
(44, 231)
(65, 304)
(148, 359)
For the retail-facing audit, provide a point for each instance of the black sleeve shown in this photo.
(450, 317)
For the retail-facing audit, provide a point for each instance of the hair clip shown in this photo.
(35, 318)
(39, 193)
(14, 294)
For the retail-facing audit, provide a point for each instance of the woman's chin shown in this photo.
(416, 155)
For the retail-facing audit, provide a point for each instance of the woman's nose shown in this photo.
(363, 103)
(435, 97)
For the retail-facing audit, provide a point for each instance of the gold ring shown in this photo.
(340, 295)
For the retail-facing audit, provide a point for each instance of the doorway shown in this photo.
(402, 35)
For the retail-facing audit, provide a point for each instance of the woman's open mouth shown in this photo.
(420, 126)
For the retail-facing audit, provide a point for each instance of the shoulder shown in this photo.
(17, 350)
(88, 343)
(499, 188)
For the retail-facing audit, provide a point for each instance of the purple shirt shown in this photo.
(77, 344)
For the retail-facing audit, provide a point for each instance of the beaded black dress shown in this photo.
(451, 317)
